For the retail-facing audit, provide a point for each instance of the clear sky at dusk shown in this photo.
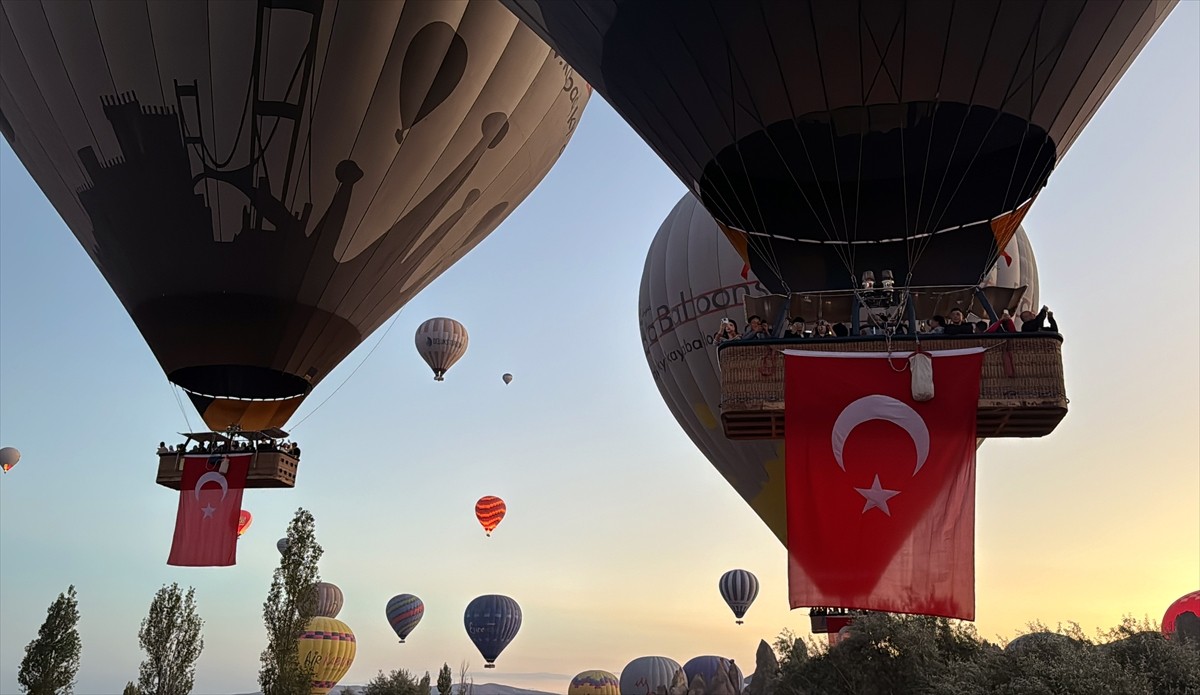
(617, 527)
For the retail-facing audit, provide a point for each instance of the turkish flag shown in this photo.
(880, 487)
(210, 502)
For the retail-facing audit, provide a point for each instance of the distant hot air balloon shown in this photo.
(739, 588)
(595, 683)
(1183, 616)
(646, 674)
(404, 611)
(832, 138)
(328, 647)
(441, 342)
(492, 621)
(307, 164)
(282, 545)
(710, 668)
(691, 267)
(245, 518)
(329, 599)
(490, 511)
(9, 456)
(507, 378)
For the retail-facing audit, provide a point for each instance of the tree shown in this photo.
(52, 659)
(445, 680)
(170, 636)
(423, 686)
(130, 689)
(395, 683)
(291, 603)
(465, 685)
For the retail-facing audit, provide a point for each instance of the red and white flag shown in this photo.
(881, 487)
(210, 502)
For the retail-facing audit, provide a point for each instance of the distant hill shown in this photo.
(477, 689)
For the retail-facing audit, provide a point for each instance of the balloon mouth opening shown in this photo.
(240, 383)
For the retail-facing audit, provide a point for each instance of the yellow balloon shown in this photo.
(595, 683)
(328, 647)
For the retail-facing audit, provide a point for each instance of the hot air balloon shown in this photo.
(739, 588)
(245, 518)
(490, 511)
(913, 134)
(328, 647)
(689, 258)
(709, 667)
(404, 611)
(492, 621)
(328, 599)
(441, 342)
(264, 184)
(9, 456)
(595, 683)
(646, 674)
(1183, 616)
(507, 378)
(282, 545)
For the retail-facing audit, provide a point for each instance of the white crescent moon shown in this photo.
(880, 407)
(213, 477)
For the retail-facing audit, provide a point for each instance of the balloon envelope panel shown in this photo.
(645, 674)
(261, 200)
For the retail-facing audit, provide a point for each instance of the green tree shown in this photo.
(170, 636)
(445, 680)
(291, 603)
(423, 686)
(52, 658)
(130, 689)
(395, 683)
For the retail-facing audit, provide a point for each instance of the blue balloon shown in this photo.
(707, 666)
(492, 621)
(403, 613)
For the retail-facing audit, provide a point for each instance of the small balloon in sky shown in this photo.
(9, 456)
(245, 518)
(507, 378)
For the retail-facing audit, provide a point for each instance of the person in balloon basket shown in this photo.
(757, 329)
(727, 331)
(1032, 324)
(957, 325)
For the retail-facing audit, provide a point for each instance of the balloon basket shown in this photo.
(268, 469)
(740, 622)
(489, 666)
(1021, 391)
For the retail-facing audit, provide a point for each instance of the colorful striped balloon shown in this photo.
(404, 611)
(329, 599)
(245, 518)
(490, 510)
(595, 683)
(328, 647)
(739, 588)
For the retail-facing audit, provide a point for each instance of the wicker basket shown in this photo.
(267, 469)
(1021, 389)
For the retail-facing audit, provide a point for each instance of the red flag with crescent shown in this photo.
(880, 486)
(210, 502)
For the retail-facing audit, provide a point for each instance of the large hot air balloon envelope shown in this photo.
(646, 674)
(693, 278)
(245, 518)
(264, 184)
(9, 456)
(329, 599)
(403, 613)
(441, 342)
(328, 647)
(490, 512)
(832, 138)
(1186, 609)
(739, 588)
(710, 668)
(492, 621)
(595, 682)
(281, 545)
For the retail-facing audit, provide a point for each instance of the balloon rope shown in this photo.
(360, 364)
(179, 402)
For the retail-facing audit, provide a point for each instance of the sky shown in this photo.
(617, 527)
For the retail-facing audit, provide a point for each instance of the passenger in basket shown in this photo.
(727, 331)
(1033, 324)
(795, 329)
(757, 329)
(957, 325)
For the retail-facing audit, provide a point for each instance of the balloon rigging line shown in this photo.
(175, 392)
(360, 364)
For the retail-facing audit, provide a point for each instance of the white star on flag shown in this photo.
(209, 509)
(877, 497)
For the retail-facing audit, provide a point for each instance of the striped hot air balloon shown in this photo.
(739, 588)
(490, 511)
(328, 647)
(329, 599)
(441, 342)
(404, 611)
(646, 674)
(595, 683)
